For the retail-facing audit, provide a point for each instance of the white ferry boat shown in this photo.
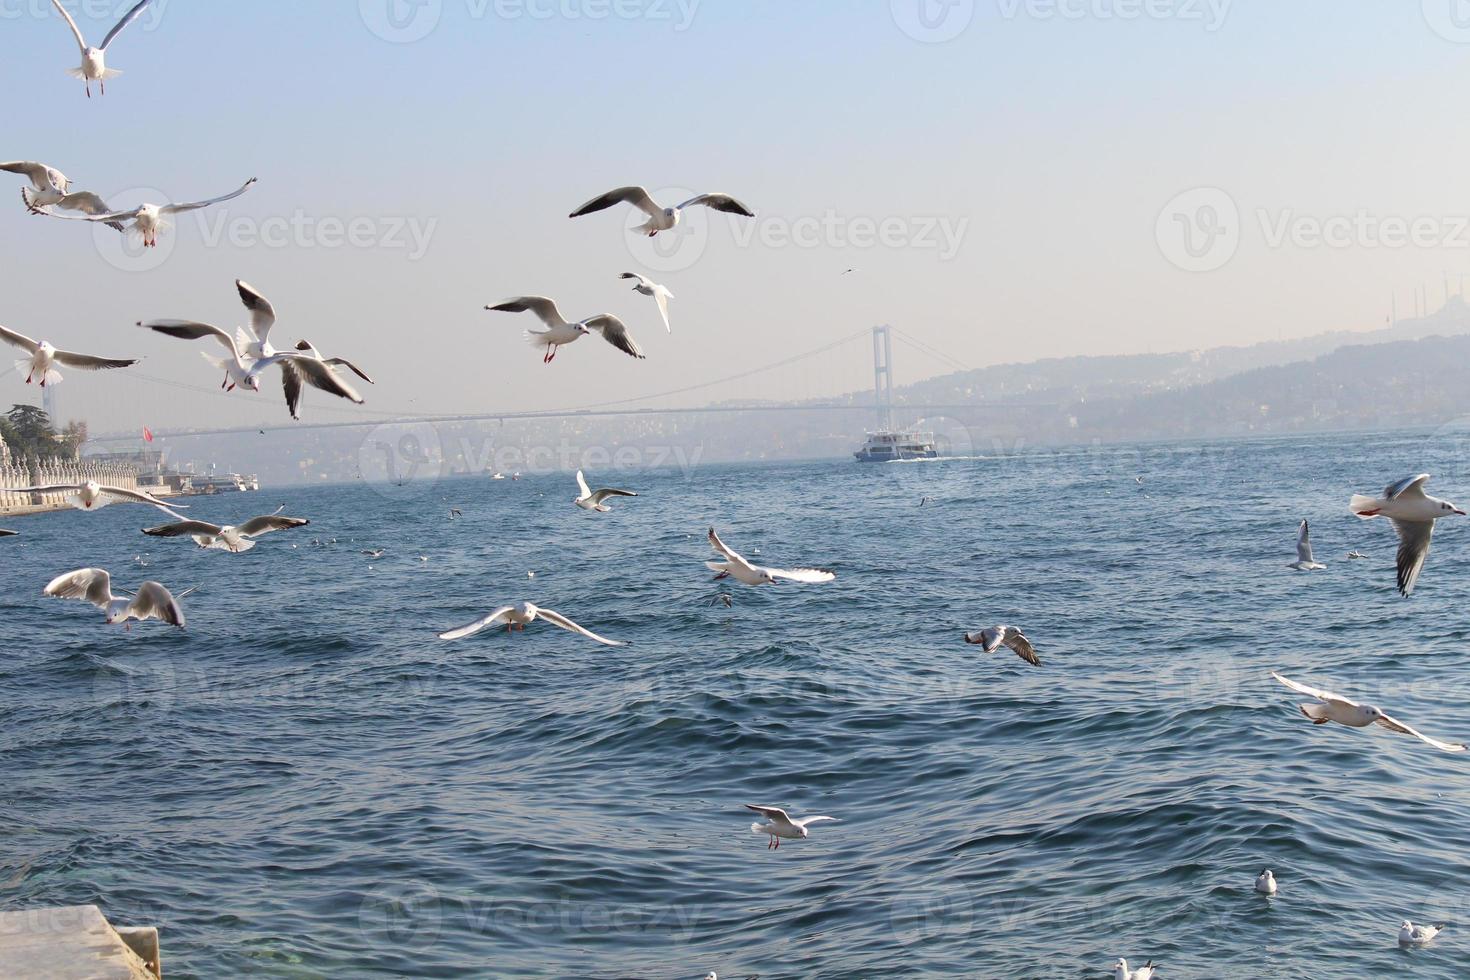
(885, 447)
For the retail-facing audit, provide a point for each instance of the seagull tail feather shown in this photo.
(1361, 506)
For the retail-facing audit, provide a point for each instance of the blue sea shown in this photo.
(307, 783)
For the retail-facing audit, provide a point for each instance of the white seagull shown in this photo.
(518, 617)
(94, 585)
(94, 496)
(997, 636)
(40, 366)
(1121, 971)
(1412, 935)
(778, 826)
(1266, 882)
(741, 570)
(660, 294)
(559, 331)
(94, 60)
(1334, 707)
(590, 499)
(660, 218)
(225, 537)
(1304, 562)
(1413, 513)
(52, 188)
(147, 219)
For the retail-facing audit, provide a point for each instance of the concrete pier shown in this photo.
(75, 943)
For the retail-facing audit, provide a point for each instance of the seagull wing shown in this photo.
(344, 362)
(1017, 641)
(262, 314)
(183, 529)
(774, 813)
(1304, 543)
(291, 385)
(127, 19)
(470, 629)
(720, 202)
(988, 638)
(19, 340)
(1414, 539)
(153, 601)
(81, 41)
(1398, 726)
(807, 821)
(89, 362)
(807, 576)
(257, 526)
(92, 585)
(193, 330)
(89, 203)
(643, 281)
(1313, 692)
(586, 491)
(728, 552)
(557, 619)
(661, 296)
(1412, 486)
(107, 218)
(181, 208)
(36, 173)
(602, 495)
(136, 496)
(539, 305)
(615, 332)
(316, 373)
(636, 196)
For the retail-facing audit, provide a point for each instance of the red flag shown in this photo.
(147, 434)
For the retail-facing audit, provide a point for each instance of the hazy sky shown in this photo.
(1006, 193)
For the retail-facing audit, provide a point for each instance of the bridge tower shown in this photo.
(883, 376)
(48, 404)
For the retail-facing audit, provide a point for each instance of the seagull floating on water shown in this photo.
(518, 617)
(1266, 882)
(590, 499)
(1412, 935)
(741, 570)
(1413, 513)
(1334, 707)
(43, 358)
(94, 585)
(147, 219)
(1304, 562)
(660, 294)
(997, 636)
(660, 218)
(228, 537)
(94, 60)
(559, 331)
(1121, 972)
(778, 826)
(52, 188)
(1355, 555)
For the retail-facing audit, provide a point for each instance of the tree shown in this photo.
(28, 431)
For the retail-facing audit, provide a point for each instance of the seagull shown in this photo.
(376, 552)
(1413, 513)
(779, 826)
(94, 496)
(1355, 555)
(317, 372)
(519, 617)
(52, 188)
(997, 636)
(1121, 972)
(94, 60)
(94, 585)
(226, 537)
(1266, 882)
(741, 570)
(1304, 562)
(147, 219)
(1412, 935)
(39, 366)
(660, 218)
(560, 332)
(1333, 707)
(8, 534)
(660, 294)
(455, 512)
(593, 499)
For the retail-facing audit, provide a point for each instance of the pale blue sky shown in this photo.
(1047, 143)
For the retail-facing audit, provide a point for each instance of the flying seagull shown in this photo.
(1413, 514)
(778, 826)
(559, 332)
(94, 496)
(997, 636)
(231, 538)
(1266, 882)
(1304, 562)
(1121, 971)
(147, 219)
(660, 218)
(40, 365)
(519, 617)
(1412, 935)
(660, 294)
(94, 585)
(319, 374)
(741, 570)
(1334, 707)
(52, 188)
(94, 60)
(8, 534)
(590, 499)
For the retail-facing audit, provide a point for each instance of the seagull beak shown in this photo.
(1459, 511)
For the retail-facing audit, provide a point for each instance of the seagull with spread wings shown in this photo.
(736, 567)
(1413, 513)
(41, 364)
(94, 585)
(147, 219)
(779, 826)
(293, 377)
(1335, 707)
(997, 636)
(660, 294)
(94, 60)
(92, 495)
(518, 617)
(52, 188)
(559, 331)
(227, 537)
(1304, 562)
(589, 499)
(660, 218)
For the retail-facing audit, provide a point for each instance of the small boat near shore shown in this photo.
(888, 446)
